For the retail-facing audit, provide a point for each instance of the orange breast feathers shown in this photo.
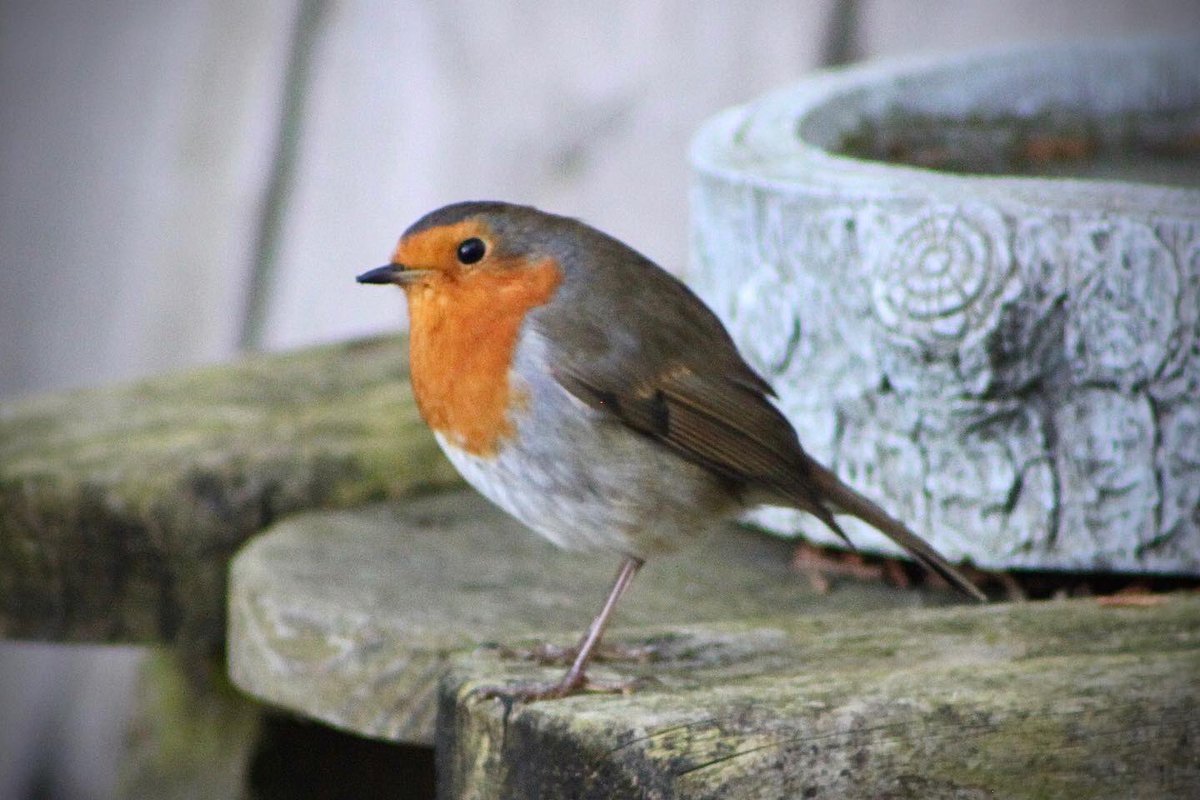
(464, 330)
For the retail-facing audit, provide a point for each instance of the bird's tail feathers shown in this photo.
(845, 500)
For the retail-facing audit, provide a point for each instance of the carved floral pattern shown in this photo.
(1087, 326)
(940, 275)
(1123, 306)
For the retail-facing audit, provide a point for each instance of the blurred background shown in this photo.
(182, 181)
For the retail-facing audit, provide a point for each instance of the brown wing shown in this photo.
(727, 426)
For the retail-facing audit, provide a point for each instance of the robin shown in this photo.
(594, 397)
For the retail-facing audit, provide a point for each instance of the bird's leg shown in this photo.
(575, 677)
(547, 654)
(575, 680)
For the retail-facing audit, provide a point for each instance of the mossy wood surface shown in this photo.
(121, 507)
(1038, 700)
(353, 617)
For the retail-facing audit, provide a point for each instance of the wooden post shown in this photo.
(1054, 699)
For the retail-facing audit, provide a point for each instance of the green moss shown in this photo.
(192, 733)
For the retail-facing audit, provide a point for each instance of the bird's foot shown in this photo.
(548, 655)
(533, 691)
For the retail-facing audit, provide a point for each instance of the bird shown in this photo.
(594, 397)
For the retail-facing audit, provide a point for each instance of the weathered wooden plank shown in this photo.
(121, 507)
(1054, 699)
(352, 617)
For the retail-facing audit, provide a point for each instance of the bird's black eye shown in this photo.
(471, 250)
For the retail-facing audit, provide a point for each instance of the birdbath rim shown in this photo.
(798, 134)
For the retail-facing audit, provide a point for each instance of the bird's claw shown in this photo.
(533, 691)
(549, 655)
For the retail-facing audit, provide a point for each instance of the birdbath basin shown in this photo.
(975, 283)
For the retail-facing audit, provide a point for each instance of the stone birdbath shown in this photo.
(975, 283)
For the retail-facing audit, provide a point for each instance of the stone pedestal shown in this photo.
(975, 284)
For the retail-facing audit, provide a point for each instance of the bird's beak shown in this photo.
(392, 273)
(385, 274)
